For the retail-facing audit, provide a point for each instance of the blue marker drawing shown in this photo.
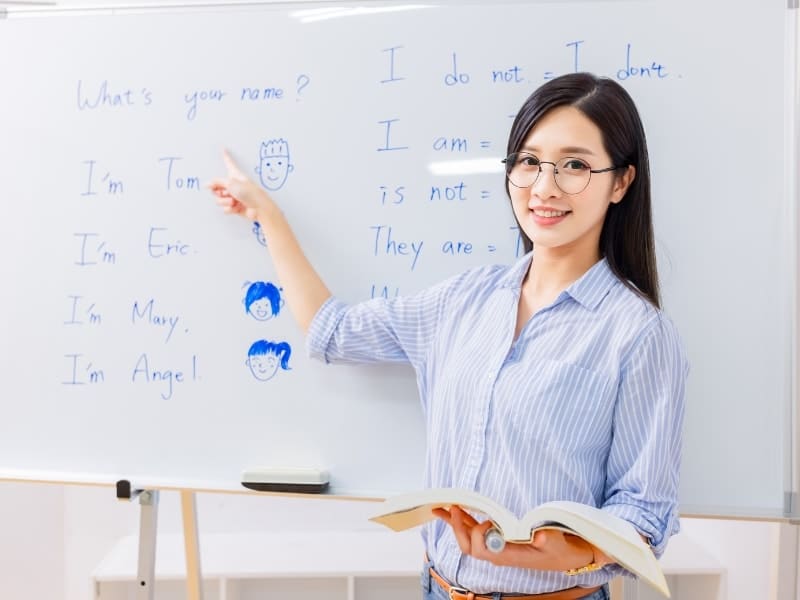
(262, 301)
(264, 358)
(274, 164)
(259, 233)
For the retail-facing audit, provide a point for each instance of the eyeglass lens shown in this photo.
(571, 174)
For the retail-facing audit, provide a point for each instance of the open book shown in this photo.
(614, 536)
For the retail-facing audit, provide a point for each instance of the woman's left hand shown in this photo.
(549, 549)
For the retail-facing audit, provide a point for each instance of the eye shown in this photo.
(526, 160)
(573, 165)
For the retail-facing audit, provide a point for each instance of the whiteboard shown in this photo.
(124, 312)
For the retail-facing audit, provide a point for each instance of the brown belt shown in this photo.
(457, 593)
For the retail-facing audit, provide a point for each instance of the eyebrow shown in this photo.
(565, 150)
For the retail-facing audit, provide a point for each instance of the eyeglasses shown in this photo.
(572, 175)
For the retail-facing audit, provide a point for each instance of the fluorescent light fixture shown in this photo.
(473, 166)
(321, 14)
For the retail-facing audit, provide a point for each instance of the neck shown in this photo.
(552, 271)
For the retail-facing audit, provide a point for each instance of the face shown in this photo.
(555, 221)
(274, 170)
(263, 366)
(261, 309)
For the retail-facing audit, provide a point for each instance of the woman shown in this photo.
(555, 378)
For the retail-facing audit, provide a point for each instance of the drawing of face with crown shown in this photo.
(274, 166)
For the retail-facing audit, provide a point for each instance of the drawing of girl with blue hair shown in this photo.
(262, 301)
(264, 358)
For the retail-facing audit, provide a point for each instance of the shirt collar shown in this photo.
(588, 290)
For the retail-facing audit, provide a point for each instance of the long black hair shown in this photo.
(626, 240)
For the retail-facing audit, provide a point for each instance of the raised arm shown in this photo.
(303, 288)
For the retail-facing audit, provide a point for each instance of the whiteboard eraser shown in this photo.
(284, 479)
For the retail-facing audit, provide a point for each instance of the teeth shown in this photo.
(549, 213)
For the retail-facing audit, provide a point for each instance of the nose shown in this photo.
(545, 185)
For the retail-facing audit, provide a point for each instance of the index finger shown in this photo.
(233, 169)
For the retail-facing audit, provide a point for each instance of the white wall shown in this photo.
(93, 521)
(51, 538)
(31, 542)
(748, 549)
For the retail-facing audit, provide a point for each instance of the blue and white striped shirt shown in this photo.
(586, 404)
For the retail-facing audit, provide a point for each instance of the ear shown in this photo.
(622, 183)
(258, 169)
(291, 168)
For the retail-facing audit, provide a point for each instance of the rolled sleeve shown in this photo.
(322, 327)
(377, 330)
(656, 530)
(644, 460)
(399, 329)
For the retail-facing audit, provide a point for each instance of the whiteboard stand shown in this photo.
(191, 541)
(148, 524)
(148, 529)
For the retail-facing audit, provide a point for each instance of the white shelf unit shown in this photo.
(335, 565)
(342, 565)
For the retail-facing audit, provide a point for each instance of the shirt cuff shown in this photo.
(322, 328)
(651, 527)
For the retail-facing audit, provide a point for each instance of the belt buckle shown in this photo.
(458, 593)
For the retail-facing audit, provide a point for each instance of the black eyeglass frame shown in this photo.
(555, 171)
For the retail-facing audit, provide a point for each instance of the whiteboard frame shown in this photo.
(791, 513)
(792, 503)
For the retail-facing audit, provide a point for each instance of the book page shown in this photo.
(410, 510)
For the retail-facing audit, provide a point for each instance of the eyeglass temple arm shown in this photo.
(606, 169)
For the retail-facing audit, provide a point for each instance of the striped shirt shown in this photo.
(585, 405)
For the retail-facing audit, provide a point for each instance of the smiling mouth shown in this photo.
(549, 214)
